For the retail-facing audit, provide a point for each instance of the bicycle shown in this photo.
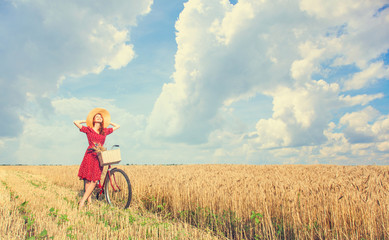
(116, 186)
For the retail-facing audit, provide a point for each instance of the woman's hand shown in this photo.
(78, 123)
(115, 126)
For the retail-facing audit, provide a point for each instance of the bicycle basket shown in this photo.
(109, 157)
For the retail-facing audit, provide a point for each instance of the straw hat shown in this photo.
(104, 113)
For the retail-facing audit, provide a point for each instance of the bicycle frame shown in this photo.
(116, 193)
(108, 178)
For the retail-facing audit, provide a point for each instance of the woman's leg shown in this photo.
(89, 187)
(90, 196)
(87, 183)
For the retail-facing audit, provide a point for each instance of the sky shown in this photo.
(197, 81)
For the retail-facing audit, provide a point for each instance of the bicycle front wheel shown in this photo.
(118, 190)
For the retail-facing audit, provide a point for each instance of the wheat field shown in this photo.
(201, 202)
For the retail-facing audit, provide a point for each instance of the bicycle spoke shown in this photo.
(118, 189)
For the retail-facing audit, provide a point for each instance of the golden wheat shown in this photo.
(303, 202)
(253, 202)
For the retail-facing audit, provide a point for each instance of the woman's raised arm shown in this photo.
(78, 123)
(115, 126)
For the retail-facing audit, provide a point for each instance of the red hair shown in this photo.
(101, 129)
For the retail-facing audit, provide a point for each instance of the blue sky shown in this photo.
(197, 81)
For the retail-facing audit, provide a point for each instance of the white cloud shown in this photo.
(368, 76)
(43, 42)
(383, 146)
(234, 19)
(299, 115)
(365, 139)
(336, 145)
(274, 133)
(338, 10)
(381, 128)
(365, 133)
(227, 53)
(363, 99)
(354, 30)
(218, 63)
(357, 125)
(305, 67)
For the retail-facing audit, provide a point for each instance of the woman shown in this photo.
(96, 130)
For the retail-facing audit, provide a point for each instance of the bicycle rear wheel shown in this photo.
(118, 191)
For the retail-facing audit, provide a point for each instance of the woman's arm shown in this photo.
(78, 123)
(115, 126)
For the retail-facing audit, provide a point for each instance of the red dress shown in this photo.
(90, 167)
